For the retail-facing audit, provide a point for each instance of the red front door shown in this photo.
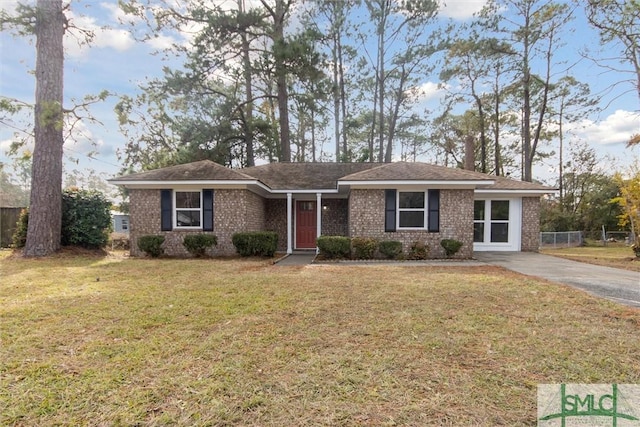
(305, 225)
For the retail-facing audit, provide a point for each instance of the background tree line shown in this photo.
(335, 80)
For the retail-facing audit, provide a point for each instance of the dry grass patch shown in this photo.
(616, 256)
(117, 341)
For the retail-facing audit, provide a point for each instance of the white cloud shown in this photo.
(161, 42)
(5, 145)
(429, 90)
(80, 140)
(119, 40)
(460, 9)
(118, 15)
(617, 128)
(104, 37)
(9, 5)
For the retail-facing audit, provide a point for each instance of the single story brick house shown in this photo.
(403, 201)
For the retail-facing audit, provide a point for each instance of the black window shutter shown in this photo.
(165, 210)
(207, 210)
(434, 210)
(390, 210)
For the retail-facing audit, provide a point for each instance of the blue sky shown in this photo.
(117, 63)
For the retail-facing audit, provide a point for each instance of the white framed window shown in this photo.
(188, 209)
(412, 210)
(491, 221)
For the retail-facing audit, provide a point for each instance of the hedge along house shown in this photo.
(402, 201)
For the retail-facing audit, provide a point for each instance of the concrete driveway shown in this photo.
(618, 285)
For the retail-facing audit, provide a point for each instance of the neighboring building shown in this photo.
(400, 201)
(120, 222)
(9, 217)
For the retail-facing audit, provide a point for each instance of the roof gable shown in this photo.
(204, 170)
(504, 183)
(415, 171)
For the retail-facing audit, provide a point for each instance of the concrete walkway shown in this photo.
(618, 285)
(297, 258)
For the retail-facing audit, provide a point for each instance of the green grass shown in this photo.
(119, 341)
(613, 255)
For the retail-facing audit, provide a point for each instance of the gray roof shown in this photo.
(204, 170)
(324, 176)
(414, 171)
(504, 183)
(305, 176)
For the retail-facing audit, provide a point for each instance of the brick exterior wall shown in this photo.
(276, 220)
(362, 215)
(233, 211)
(530, 224)
(335, 218)
(366, 219)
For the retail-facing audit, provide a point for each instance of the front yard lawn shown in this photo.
(617, 256)
(117, 341)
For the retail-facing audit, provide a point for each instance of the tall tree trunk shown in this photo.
(483, 136)
(526, 115)
(561, 158)
(274, 149)
(381, 78)
(560, 167)
(343, 101)
(283, 91)
(45, 210)
(336, 96)
(278, 14)
(393, 118)
(497, 158)
(248, 115)
(313, 135)
(372, 134)
(302, 142)
(542, 112)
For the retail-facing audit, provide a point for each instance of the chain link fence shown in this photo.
(569, 239)
(561, 239)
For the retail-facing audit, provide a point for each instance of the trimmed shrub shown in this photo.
(418, 251)
(197, 244)
(451, 246)
(256, 243)
(151, 245)
(334, 246)
(86, 218)
(390, 248)
(20, 235)
(364, 247)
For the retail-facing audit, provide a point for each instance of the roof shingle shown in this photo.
(415, 171)
(325, 176)
(204, 170)
(305, 176)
